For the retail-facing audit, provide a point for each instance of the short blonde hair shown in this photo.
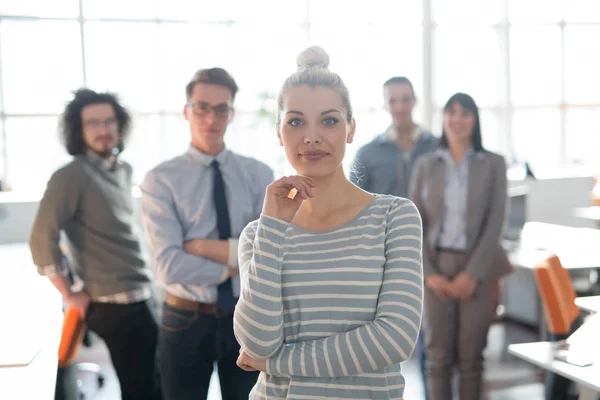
(313, 70)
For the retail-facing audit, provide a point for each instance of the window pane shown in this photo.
(39, 71)
(583, 136)
(180, 57)
(177, 136)
(535, 76)
(582, 63)
(144, 147)
(393, 12)
(476, 12)
(122, 57)
(2, 159)
(33, 139)
(365, 67)
(41, 8)
(542, 11)
(135, 9)
(582, 11)
(194, 10)
(268, 11)
(468, 60)
(265, 55)
(533, 128)
(250, 135)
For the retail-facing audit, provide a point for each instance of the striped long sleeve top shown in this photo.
(333, 313)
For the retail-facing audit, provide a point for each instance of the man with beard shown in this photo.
(90, 200)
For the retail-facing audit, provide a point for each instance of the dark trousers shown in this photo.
(189, 344)
(131, 334)
(556, 387)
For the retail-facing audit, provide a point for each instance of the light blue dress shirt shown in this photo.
(453, 229)
(177, 204)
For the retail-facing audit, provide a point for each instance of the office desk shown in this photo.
(592, 213)
(541, 354)
(31, 313)
(578, 252)
(589, 303)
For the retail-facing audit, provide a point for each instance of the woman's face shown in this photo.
(314, 130)
(459, 123)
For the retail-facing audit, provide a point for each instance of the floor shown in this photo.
(506, 378)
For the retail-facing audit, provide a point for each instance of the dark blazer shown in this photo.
(486, 205)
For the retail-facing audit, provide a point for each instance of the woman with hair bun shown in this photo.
(332, 282)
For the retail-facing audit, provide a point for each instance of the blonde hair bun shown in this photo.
(312, 57)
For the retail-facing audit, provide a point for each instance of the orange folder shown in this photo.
(72, 336)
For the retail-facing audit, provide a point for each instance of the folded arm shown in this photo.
(164, 232)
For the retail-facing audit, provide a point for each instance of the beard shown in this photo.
(105, 152)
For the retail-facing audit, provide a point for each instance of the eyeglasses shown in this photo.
(202, 109)
(96, 125)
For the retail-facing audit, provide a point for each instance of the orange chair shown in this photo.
(562, 282)
(555, 310)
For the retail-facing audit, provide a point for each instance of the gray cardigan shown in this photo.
(94, 207)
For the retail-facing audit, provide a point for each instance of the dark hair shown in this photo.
(467, 102)
(313, 71)
(214, 76)
(400, 80)
(71, 126)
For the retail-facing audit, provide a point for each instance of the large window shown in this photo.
(530, 65)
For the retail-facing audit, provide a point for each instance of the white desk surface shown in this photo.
(592, 212)
(589, 303)
(541, 354)
(576, 247)
(31, 315)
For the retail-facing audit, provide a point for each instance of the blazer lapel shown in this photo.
(437, 187)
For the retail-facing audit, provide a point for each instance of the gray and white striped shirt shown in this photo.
(333, 312)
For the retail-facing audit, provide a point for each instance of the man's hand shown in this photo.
(440, 285)
(213, 249)
(196, 247)
(79, 301)
(231, 272)
(463, 286)
(248, 363)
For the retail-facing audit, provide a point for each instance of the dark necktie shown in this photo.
(225, 300)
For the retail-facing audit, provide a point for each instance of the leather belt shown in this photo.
(194, 306)
(448, 250)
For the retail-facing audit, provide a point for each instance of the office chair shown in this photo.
(561, 313)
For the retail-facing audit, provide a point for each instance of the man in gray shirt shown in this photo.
(90, 200)
(385, 164)
(195, 207)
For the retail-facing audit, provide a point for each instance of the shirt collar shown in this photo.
(107, 163)
(390, 133)
(207, 159)
(444, 153)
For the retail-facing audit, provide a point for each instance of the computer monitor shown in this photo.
(517, 214)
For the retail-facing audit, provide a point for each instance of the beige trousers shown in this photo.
(456, 334)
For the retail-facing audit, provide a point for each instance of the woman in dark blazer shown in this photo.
(460, 191)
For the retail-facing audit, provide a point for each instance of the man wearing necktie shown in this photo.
(195, 207)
